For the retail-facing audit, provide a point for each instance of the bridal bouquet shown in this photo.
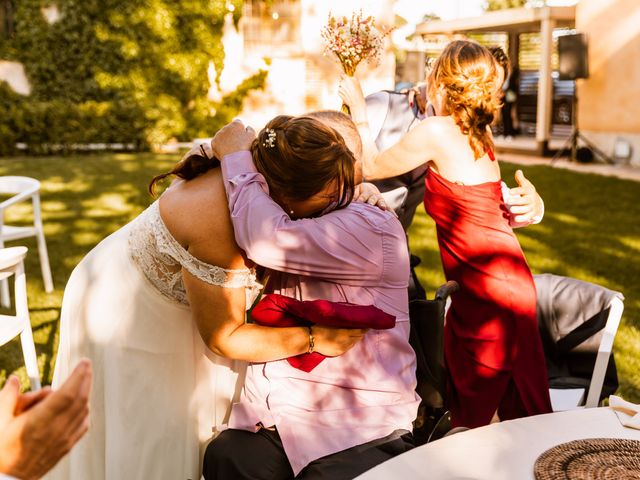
(353, 40)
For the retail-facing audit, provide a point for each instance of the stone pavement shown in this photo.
(626, 172)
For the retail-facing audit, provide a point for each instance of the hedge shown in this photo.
(125, 71)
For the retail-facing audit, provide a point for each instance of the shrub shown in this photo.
(130, 71)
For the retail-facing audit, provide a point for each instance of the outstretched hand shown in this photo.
(233, 137)
(37, 429)
(524, 203)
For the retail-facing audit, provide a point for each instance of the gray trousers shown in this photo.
(238, 454)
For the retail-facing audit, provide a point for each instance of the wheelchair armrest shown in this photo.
(447, 289)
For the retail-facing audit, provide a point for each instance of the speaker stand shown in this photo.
(571, 145)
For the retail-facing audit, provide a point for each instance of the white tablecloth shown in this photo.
(502, 451)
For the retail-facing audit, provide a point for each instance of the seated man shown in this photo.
(351, 412)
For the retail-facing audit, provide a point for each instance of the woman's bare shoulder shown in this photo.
(430, 137)
(202, 196)
(197, 215)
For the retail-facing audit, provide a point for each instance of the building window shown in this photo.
(7, 28)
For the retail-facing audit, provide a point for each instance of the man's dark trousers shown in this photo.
(238, 454)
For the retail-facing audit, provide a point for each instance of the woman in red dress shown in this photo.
(493, 351)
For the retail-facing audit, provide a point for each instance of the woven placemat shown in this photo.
(590, 459)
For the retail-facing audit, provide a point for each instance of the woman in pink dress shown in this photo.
(493, 351)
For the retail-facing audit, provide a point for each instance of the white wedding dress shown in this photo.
(158, 392)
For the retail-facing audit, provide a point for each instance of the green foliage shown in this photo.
(492, 5)
(131, 71)
(212, 117)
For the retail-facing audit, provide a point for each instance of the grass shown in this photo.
(590, 231)
(84, 199)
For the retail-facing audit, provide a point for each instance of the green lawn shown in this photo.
(590, 231)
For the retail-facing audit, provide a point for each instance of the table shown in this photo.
(501, 451)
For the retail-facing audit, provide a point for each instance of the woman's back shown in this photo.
(187, 234)
(492, 351)
(453, 157)
(491, 325)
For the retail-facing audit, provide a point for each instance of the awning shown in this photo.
(515, 21)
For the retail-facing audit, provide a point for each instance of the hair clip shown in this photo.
(270, 142)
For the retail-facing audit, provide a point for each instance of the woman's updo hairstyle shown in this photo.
(300, 156)
(469, 75)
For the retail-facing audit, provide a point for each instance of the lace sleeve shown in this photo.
(211, 274)
(161, 258)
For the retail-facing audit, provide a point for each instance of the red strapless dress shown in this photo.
(493, 351)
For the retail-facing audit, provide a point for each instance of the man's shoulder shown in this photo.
(388, 99)
(374, 216)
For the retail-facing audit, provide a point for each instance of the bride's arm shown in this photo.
(416, 148)
(219, 314)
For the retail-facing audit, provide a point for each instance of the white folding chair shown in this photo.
(23, 188)
(578, 303)
(12, 263)
(604, 351)
(569, 399)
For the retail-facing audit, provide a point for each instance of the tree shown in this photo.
(492, 5)
(130, 71)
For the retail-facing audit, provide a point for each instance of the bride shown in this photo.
(159, 308)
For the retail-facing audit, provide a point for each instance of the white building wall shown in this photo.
(301, 78)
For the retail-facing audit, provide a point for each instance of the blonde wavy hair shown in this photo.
(469, 75)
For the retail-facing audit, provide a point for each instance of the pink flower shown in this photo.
(352, 41)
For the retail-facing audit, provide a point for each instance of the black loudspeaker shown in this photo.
(573, 56)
